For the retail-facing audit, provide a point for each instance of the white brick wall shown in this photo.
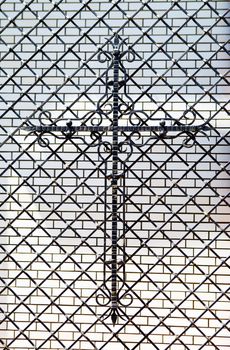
(49, 274)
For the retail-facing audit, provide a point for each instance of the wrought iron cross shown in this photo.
(168, 128)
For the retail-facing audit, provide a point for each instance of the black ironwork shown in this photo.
(177, 52)
(137, 125)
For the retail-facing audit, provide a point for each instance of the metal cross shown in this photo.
(165, 128)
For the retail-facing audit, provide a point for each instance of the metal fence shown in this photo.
(115, 175)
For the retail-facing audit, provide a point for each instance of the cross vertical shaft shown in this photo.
(115, 178)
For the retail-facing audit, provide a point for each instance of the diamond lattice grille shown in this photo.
(173, 203)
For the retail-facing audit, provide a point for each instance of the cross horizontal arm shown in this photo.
(84, 128)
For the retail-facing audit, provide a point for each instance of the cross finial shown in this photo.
(116, 42)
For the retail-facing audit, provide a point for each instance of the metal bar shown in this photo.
(116, 57)
(83, 128)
